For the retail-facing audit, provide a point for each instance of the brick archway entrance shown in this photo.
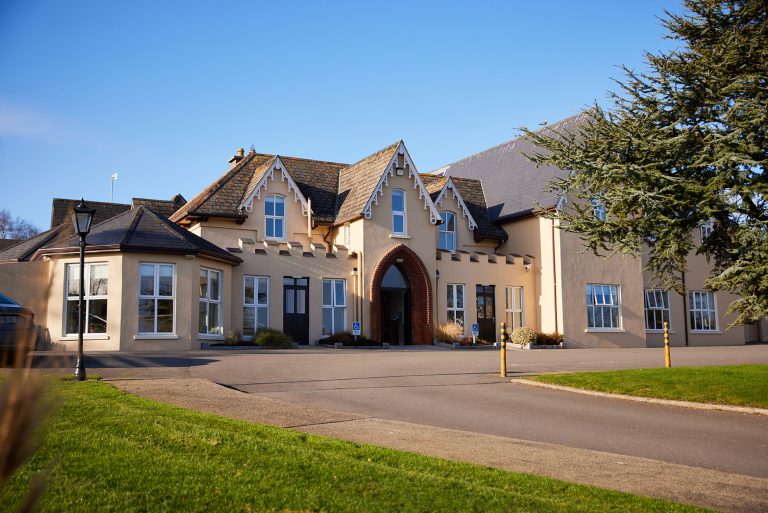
(420, 289)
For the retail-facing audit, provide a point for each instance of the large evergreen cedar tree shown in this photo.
(684, 143)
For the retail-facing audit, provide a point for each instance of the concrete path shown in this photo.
(681, 483)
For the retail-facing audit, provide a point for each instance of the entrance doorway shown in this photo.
(296, 308)
(486, 311)
(395, 307)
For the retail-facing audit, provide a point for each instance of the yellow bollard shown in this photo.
(503, 351)
(667, 357)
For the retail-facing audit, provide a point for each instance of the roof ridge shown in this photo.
(137, 215)
(314, 160)
(166, 223)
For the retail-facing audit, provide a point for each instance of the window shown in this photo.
(94, 298)
(656, 309)
(598, 207)
(603, 310)
(156, 297)
(210, 303)
(706, 230)
(456, 303)
(274, 212)
(398, 212)
(334, 306)
(514, 308)
(702, 310)
(255, 304)
(447, 231)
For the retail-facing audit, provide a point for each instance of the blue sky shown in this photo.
(162, 93)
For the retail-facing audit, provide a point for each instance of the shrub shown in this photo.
(348, 339)
(232, 338)
(549, 339)
(449, 332)
(523, 336)
(272, 338)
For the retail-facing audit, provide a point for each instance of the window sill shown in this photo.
(156, 336)
(399, 236)
(86, 336)
(705, 332)
(203, 336)
(605, 330)
(671, 332)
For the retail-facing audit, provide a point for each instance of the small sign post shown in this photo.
(356, 329)
(475, 332)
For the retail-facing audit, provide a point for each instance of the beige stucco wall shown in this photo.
(122, 303)
(579, 268)
(378, 238)
(487, 270)
(27, 283)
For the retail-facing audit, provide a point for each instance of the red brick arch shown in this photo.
(421, 293)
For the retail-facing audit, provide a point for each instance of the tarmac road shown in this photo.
(462, 390)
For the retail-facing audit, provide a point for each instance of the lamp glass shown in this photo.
(82, 216)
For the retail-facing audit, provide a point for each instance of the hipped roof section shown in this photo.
(338, 192)
(141, 230)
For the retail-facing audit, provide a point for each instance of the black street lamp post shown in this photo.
(82, 216)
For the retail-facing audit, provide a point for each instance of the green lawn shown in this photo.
(114, 452)
(740, 385)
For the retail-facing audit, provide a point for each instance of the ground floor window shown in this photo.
(603, 306)
(702, 310)
(255, 304)
(514, 308)
(656, 309)
(156, 298)
(94, 298)
(456, 303)
(334, 306)
(209, 320)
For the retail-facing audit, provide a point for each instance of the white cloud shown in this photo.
(27, 122)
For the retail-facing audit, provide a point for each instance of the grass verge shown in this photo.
(739, 385)
(110, 451)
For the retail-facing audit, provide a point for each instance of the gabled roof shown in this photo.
(358, 182)
(165, 208)
(513, 183)
(470, 195)
(142, 230)
(62, 210)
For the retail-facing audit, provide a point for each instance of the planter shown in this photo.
(558, 346)
(339, 345)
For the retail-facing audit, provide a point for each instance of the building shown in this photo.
(593, 301)
(308, 247)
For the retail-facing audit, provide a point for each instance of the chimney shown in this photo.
(237, 157)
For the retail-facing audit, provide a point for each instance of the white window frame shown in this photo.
(155, 296)
(399, 213)
(711, 309)
(444, 231)
(705, 230)
(87, 297)
(653, 296)
(273, 217)
(598, 209)
(453, 289)
(599, 305)
(334, 305)
(256, 305)
(514, 311)
(208, 301)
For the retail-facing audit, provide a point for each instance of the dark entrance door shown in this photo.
(395, 307)
(486, 311)
(296, 308)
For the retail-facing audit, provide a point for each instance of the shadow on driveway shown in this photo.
(116, 361)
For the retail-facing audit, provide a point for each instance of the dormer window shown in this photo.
(398, 212)
(274, 212)
(447, 231)
(706, 230)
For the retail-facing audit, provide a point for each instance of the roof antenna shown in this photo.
(114, 179)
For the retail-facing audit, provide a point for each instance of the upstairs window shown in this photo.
(598, 207)
(398, 212)
(447, 231)
(274, 213)
(706, 230)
